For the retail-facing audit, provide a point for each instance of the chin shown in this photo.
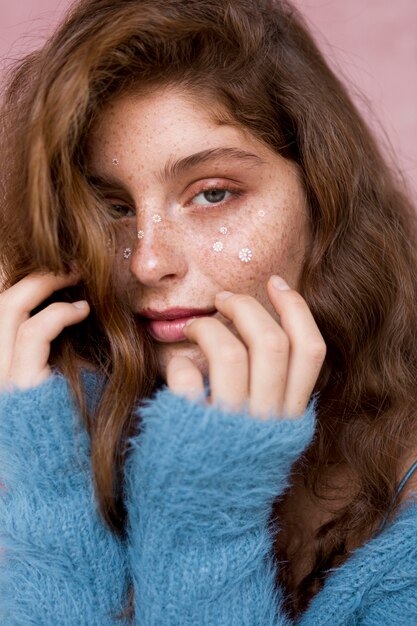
(165, 352)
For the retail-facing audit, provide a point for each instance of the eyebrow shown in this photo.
(177, 167)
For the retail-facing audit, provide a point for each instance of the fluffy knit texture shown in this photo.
(200, 482)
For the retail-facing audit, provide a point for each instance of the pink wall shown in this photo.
(373, 42)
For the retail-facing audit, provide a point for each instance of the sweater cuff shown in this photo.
(41, 435)
(210, 466)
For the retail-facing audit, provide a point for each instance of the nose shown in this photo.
(159, 254)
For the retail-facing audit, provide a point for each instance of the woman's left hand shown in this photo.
(271, 368)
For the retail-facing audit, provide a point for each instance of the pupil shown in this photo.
(120, 210)
(215, 195)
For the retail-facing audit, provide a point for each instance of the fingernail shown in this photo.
(223, 295)
(190, 321)
(279, 283)
(81, 304)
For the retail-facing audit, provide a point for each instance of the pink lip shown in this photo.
(173, 313)
(170, 330)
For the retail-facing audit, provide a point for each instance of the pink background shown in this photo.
(372, 42)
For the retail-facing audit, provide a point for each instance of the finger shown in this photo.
(307, 347)
(29, 366)
(268, 347)
(184, 378)
(9, 324)
(227, 361)
(17, 301)
(32, 290)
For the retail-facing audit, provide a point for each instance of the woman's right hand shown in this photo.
(25, 341)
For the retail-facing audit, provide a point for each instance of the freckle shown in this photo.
(261, 213)
(140, 234)
(223, 230)
(127, 252)
(156, 217)
(115, 161)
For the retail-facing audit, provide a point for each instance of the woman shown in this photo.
(198, 161)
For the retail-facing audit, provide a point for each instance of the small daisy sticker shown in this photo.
(245, 255)
(217, 246)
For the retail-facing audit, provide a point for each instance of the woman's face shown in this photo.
(199, 207)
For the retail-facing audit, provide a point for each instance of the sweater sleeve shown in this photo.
(59, 564)
(200, 483)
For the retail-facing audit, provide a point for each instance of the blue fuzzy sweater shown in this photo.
(200, 484)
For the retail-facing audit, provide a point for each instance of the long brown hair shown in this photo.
(260, 63)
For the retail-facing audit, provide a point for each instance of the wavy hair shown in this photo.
(260, 62)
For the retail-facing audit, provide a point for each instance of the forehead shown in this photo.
(167, 115)
(144, 114)
(166, 133)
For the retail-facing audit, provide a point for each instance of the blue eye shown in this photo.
(213, 196)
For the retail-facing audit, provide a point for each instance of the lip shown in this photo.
(171, 330)
(174, 313)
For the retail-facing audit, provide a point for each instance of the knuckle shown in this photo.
(27, 330)
(50, 317)
(182, 375)
(242, 298)
(232, 353)
(56, 308)
(297, 300)
(317, 351)
(274, 341)
(58, 312)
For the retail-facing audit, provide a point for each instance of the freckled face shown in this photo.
(226, 220)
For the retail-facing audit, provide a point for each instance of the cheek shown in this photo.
(283, 247)
(241, 254)
(231, 241)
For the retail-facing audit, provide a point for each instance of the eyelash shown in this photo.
(113, 207)
(235, 193)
